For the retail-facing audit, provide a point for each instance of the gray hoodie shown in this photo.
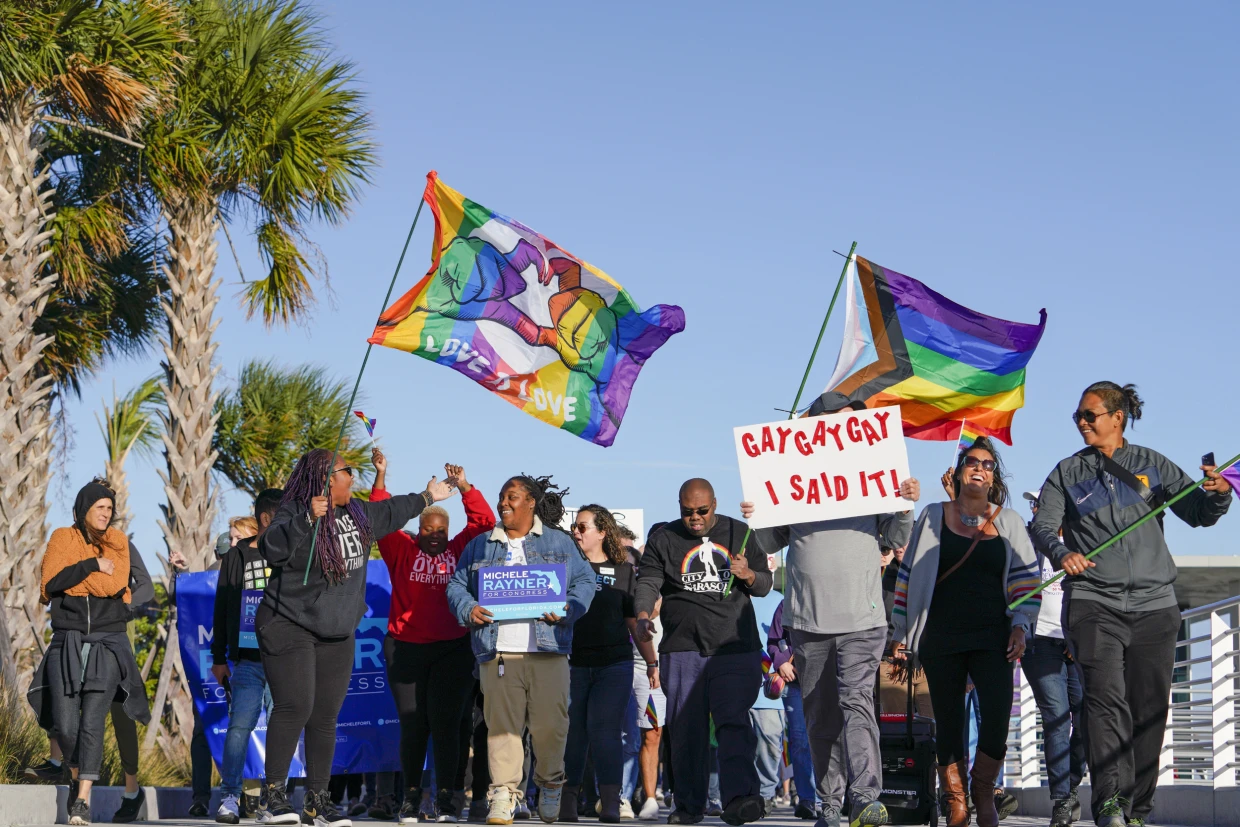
(1136, 574)
(833, 579)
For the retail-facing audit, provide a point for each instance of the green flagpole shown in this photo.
(348, 411)
(1133, 527)
(852, 251)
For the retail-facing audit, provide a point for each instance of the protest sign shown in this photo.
(520, 592)
(846, 464)
(367, 730)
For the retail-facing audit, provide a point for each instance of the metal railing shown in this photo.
(1200, 744)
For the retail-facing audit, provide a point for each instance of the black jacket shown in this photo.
(242, 568)
(1136, 574)
(329, 611)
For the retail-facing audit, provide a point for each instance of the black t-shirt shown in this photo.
(601, 637)
(968, 611)
(691, 573)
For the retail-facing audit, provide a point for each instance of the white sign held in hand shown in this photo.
(845, 464)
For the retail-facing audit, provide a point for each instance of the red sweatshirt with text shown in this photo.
(419, 611)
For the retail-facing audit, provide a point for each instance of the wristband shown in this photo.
(650, 665)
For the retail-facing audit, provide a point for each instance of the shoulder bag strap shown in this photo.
(977, 538)
(1130, 479)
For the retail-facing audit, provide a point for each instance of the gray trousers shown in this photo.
(768, 725)
(837, 675)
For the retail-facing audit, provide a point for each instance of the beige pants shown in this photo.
(533, 694)
(893, 697)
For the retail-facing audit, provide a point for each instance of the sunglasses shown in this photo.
(1090, 417)
(581, 528)
(347, 469)
(973, 462)
(689, 512)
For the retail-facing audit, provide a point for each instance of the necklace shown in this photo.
(969, 520)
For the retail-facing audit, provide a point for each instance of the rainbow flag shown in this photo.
(767, 663)
(369, 423)
(968, 435)
(1232, 475)
(787, 757)
(652, 713)
(546, 331)
(941, 362)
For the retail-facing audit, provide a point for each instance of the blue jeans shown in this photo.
(798, 747)
(1056, 685)
(597, 700)
(631, 747)
(250, 695)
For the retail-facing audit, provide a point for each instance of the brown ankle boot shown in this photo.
(982, 789)
(951, 784)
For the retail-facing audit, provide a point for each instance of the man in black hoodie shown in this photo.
(243, 576)
(711, 662)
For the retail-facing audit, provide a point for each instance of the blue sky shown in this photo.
(1079, 158)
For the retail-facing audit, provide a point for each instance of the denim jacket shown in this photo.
(541, 546)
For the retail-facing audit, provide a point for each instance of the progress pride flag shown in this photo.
(846, 464)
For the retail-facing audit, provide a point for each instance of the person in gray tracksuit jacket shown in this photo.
(1120, 611)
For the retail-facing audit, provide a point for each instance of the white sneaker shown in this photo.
(502, 806)
(549, 803)
(626, 811)
(229, 811)
(649, 810)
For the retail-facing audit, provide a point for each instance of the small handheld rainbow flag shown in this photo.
(369, 423)
(1232, 475)
(968, 435)
(787, 757)
(652, 713)
(767, 663)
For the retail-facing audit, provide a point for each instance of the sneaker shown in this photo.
(549, 803)
(1005, 803)
(279, 810)
(357, 808)
(1061, 812)
(47, 771)
(626, 811)
(1075, 799)
(744, 809)
(129, 808)
(681, 817)
(649, 810)
(1111, 813)
(79, 812)
(229, 811)
(319, 809)
(714, 808)
(522, 811)
(804, 811)
(409, 808)
(446, 807)
(384, 808)
(198, 809)
(873, 814)
(503, 808)
(829, 817)
(478, 810)
(1136, 822)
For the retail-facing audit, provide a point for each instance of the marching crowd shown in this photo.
(673, 656)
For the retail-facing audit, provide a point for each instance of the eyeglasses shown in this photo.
(973, 462)
(581, 528)
(346, 469)
(689, 512)
(1090, 417)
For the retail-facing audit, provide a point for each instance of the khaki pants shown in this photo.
(533, 694)
(893, 697)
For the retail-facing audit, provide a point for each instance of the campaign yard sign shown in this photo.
(846, 464)
(522, 592)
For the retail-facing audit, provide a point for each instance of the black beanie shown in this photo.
(91, 493)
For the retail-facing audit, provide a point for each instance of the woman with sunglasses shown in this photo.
(310, 610)
(1120, 609)
(967, 560)
(601, 665)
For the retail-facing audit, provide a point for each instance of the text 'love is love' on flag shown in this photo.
(515, 312)
(845, 464)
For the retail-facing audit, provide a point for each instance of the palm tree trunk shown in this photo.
(114, 470)
(189, 420)
(25, 410)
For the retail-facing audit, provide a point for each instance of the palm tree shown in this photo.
(273, 416)
(76, 63)
(265, 126)
(129, 425)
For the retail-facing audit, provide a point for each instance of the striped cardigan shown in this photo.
(920, 570)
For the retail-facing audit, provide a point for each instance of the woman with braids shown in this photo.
(967, 560)
(1120, 611)
(601, 665)
(305, 629)
(523, 664)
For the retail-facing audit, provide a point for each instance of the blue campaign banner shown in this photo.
(367, 730)
(521, 592)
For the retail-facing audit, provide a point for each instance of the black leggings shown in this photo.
(432, 686)
(948, 675)
(309, 678)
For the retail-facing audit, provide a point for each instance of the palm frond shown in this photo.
(274, 415)
(131, 424)
(284, 293)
